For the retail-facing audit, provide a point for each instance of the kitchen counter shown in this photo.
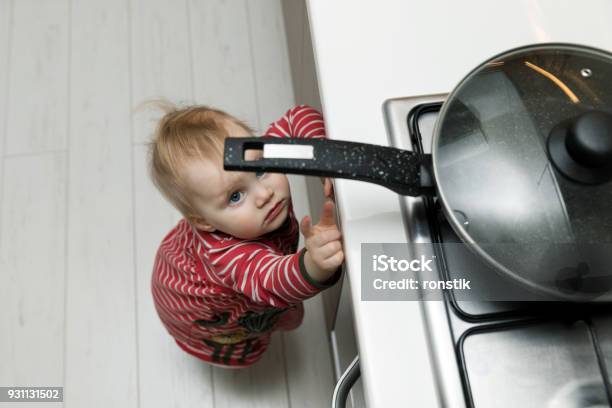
(368, 52)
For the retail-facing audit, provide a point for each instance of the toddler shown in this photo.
(229, 274)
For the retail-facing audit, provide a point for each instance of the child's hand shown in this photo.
(324, 253)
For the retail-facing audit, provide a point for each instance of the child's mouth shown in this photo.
(275, 211)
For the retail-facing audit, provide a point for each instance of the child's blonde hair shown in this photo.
(185, 133)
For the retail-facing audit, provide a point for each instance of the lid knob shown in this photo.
(581, 148)
(589, 140)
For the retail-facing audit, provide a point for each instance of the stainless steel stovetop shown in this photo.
(498, 354)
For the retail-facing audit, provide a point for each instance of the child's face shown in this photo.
(245, 205)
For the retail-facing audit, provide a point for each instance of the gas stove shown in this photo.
(493, 353)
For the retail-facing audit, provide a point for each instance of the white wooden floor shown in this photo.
(80, 221)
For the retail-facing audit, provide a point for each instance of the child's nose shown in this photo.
(264, 194)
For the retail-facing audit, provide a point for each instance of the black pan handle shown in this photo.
(403, 171)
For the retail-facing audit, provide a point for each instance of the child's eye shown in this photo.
(236, 197)
(260, 174)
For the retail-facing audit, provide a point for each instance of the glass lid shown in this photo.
(522, 158)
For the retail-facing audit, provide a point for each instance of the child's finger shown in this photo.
(327, 187)
(327, 215)
(306, 226)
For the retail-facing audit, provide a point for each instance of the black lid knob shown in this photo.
(589, 140)
(581, 148)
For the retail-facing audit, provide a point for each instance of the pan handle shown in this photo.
(403, 171)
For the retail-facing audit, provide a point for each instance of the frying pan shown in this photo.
(521, 164)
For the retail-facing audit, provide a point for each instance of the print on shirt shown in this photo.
(258, 323)
(253, 324)
(216, 321)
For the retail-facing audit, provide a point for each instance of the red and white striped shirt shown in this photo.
(220, 297)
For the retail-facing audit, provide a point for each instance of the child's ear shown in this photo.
(200, 223)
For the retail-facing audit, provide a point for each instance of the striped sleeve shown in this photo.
(301, 121)
(263, 275)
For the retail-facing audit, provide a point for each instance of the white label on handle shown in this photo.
(278, 151)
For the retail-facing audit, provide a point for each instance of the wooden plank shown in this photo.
(168, 375)
(224, 77)
(32, 221)
(5, 40)
(294, 15)
(308, 358)
(262, 385)
(307, 92)
(161, 66)
(32, 263)
(310, 84)
(306, 349)
(273, 79)
(222, 60)
(270, 60)
(101, 346)
(161, 59)
(38, 82)
(6, 12)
